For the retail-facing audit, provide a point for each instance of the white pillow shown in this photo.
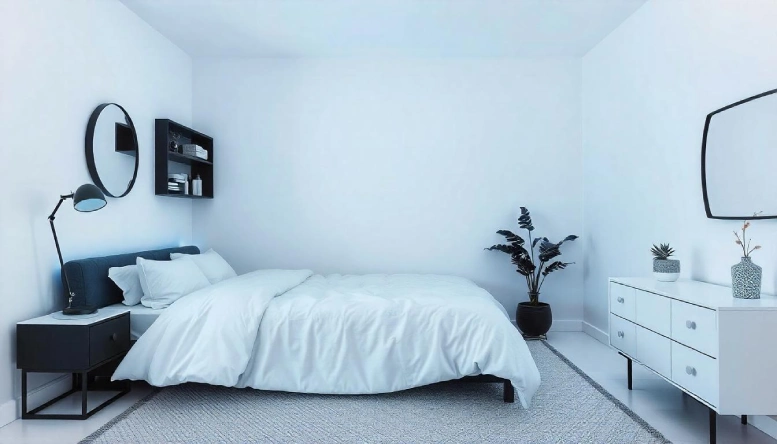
(212, 265)
(164, 282)
(127, 279)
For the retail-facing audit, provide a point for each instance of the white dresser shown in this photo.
(720, 350)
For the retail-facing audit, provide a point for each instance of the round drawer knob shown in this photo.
(620, 334)
(690, 324)
(114, 337)
(620, 300)
(690, 370)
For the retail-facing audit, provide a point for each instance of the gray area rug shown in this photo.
(568, 408)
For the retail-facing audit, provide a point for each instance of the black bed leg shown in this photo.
(713, 426)
(744, 419)
(509, 392)
(628, 364)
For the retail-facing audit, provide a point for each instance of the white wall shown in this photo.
(647, 89)
(359, 166)
(58, 61)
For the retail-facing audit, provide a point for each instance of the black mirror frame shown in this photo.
(89, 144)
(704, 160)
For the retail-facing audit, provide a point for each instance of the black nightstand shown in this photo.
(86, 348)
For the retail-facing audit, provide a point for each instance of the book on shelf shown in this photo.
(194, 150)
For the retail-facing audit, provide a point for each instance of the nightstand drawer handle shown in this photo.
(620, 334)
(114, 337)
(620, 300)
(690, 370)
(690, 324)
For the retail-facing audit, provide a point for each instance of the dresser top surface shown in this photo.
(699, 293)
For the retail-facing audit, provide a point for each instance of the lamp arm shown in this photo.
(56, 242)
(62, 198)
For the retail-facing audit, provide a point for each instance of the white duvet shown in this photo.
(293, 331)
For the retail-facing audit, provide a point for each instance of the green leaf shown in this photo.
(558, 265)
(523, 263)
(662, 251)
(524, 221)
(511, 237)
(549, 250)
(509, 249)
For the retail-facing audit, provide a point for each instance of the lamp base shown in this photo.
(70, 311)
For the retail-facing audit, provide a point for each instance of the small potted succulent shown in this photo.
(746, 276)
(665, 269)
(534, 318)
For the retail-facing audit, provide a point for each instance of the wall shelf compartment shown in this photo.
(168, 162)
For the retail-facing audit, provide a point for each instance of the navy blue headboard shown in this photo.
(89, 277)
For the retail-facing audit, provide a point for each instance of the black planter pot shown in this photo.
(533, 320)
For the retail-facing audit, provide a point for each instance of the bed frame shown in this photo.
(508, 394)
(89, 277)
(89, 280)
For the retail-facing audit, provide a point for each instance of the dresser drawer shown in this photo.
(622, 301)
(623, 335)
(654, 312)
(108, 339)
(695, 327)
(654, 351)
(695, 372)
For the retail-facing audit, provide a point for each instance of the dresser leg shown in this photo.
(628, 364)
(713, 426)
(744, 419)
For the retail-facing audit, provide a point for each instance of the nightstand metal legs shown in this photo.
(84, 394)
(79, 384)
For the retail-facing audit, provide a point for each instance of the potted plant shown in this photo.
(534, 318)
(746, 276)
(664, 269)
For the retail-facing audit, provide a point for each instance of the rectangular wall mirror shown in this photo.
(739, 157)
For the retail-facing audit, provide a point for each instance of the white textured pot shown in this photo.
(666, 270)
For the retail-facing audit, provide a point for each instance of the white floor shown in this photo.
(680, 418)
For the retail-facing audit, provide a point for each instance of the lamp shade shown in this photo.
(88, 198)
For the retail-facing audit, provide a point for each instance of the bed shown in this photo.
(89, 281)
(141, 317)
(293, 330)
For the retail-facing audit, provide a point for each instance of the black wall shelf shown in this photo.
(168, 162)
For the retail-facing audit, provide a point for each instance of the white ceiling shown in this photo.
(356, 28)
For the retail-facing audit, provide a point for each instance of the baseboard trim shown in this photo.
(8, 412)
(766, 424)
(11, 410)
(595, 333)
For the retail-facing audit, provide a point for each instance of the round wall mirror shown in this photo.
(112, 150)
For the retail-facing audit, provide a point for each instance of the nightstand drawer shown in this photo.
(109, 339)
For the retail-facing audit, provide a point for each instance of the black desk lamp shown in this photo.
(87, 198)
